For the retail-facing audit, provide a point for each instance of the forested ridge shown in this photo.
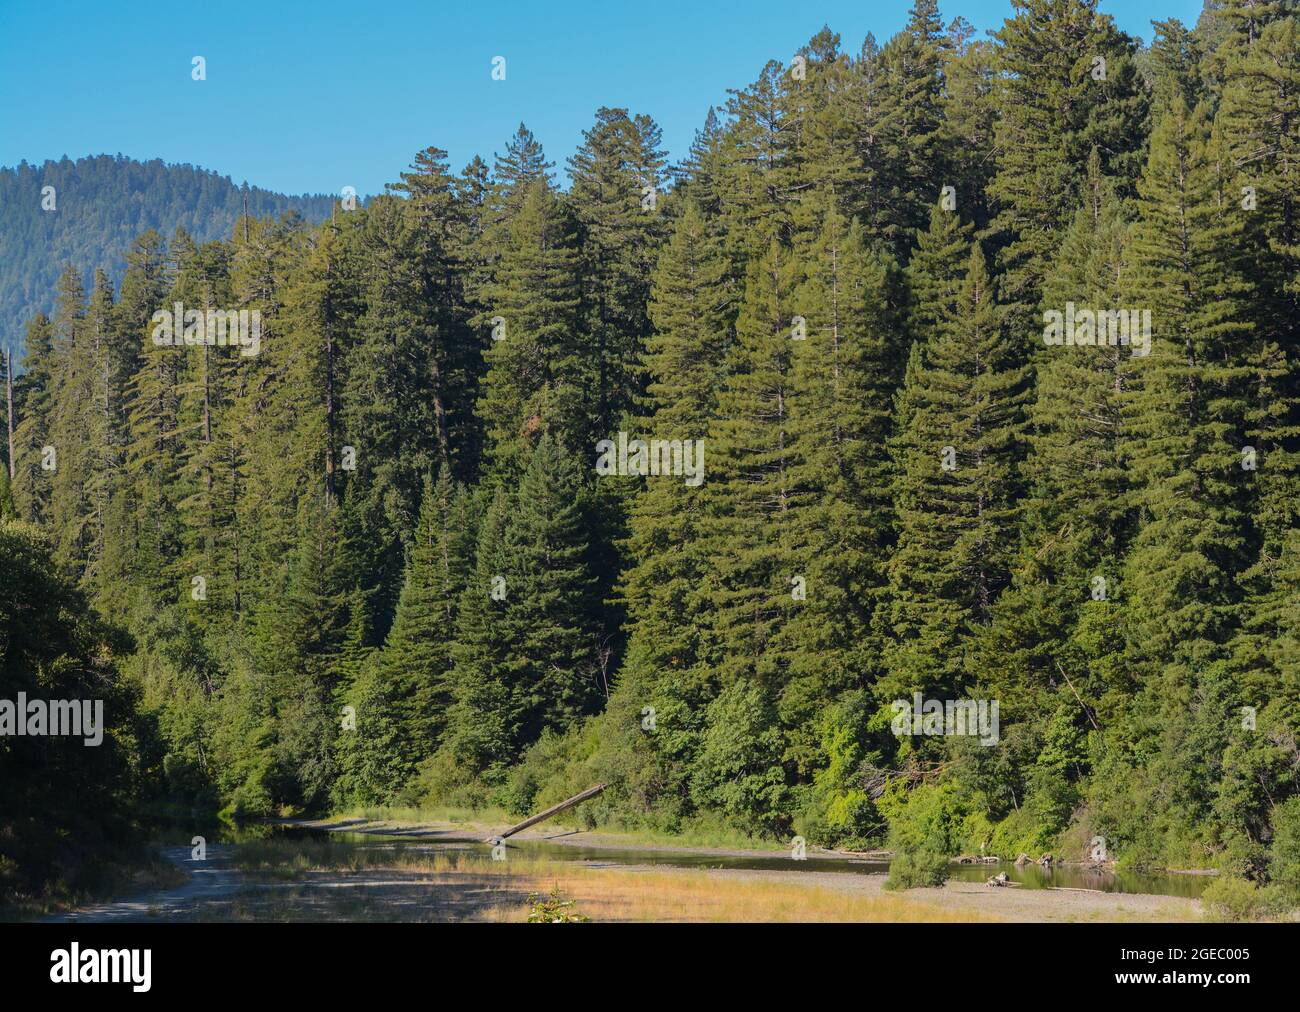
(377, 562)
(87, 212)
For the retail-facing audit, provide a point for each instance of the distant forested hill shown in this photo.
(101, 204)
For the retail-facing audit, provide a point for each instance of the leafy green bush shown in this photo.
(915, 869)
(928, 817)
(1284, 861)
(836, 811)
(738, 769)
(1229, 898)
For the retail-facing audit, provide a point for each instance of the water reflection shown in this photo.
(1029, 876)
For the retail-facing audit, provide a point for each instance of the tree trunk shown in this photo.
(590, 792)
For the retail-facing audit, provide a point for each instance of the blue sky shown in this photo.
(310, 97)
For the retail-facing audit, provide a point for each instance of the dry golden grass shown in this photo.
(654, 895)
(463, 885)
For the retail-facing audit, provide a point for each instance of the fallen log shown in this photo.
(533, 820)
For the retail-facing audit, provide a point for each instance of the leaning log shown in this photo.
(533, 820)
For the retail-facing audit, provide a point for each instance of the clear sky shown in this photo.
(310, 97)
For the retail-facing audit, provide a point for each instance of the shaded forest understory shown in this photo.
(376, 562)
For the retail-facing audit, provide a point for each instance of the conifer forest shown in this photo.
(911, 465)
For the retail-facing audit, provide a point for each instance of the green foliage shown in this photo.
(839, 811)
(418, 588)
(1236, 899)
(554, 909)
(1284, 863)
(65, 801)
(930, 818)
(737, 771)
(917, 869)
(101, 202)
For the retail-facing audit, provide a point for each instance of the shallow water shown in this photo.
(1028, 876)
(422, 842)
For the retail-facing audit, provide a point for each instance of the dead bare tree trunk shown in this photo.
(590, 792)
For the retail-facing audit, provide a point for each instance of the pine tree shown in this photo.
(684, 360)
(697, 179)
(388, 417)
(823, 120)
(70, 427)
(515, 172)
(1078, 516)
(33, 394)
(749, 482)
(450, 354)
(1186, 411)
(1257, 131)
(845, 374)
(551, 604)
(758, 175)
(524, 659)
(904, 133)
(536, 371)
(484, 722)
(1052, 107)
(966, 134)
(299, 639)
(416, 663)
(209, 477)
(1175, 58)
(142, 293)
(956, 491)
(617, 173)
(692, 314)
(290, 416)
(154, 454)
(934, 273)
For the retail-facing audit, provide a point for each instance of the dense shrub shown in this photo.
(915, 869)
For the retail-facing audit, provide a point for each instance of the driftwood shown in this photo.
(533, 820)
(1000, 879)
(875, 780)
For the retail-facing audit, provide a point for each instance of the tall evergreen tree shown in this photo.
(33, 393)
(416, 664)
(1053, 105)
(845, 374)
(692, 312)
(536, 366)
(617, 173)
(956, 491)
(1186, 411)
(905, 129)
